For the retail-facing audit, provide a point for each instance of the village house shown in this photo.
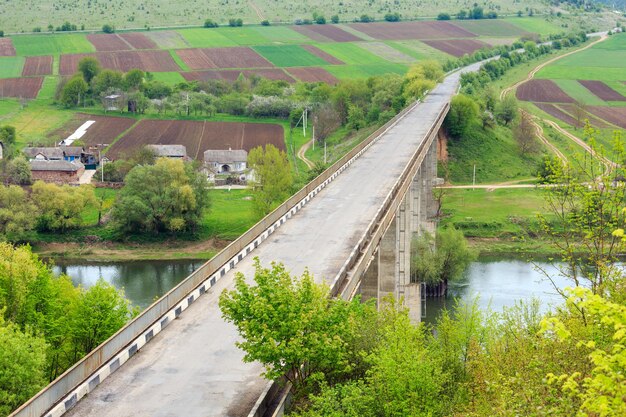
(226, 162)
(44, 154)
(61, 153)
(56, 171)
(169, 151)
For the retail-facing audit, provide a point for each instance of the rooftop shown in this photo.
(172, 151)
(48, 153)
(55, 165)
(225, 156)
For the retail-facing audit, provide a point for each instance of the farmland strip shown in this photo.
(544, 91)
(324, 55)
(6, 47)
(37, 65)
(601, 90)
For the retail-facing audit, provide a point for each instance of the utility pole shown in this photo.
(313, 137)
(474, 178)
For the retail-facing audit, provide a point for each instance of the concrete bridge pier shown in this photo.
(389, 270)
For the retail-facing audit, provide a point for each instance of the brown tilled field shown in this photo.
(313, 75)
(570, 108)
(332, 32)
(238, 57)
(457, 47)
(37, 65)
(614, 115)
(152, 61)
(195, 59)
(198, 136)
(138, 40)
(316, 36)
(321, 54)
(6, 47)
(602, 91)
(20, 87)
(554, 111)
(104, 131)
(106, 42)
(167, 39)
(543, 91)
(412, 30)
(232, 75)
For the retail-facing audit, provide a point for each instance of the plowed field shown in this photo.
(313, 75)
(554, 111)
(457, 47)
(106, 42)
(602, 91)
(152, 61)
(6, 47)
(138, 40)
(330, 32)
(195, 59)
(599, 123)
(543, 91)
(198, 137)
(321, 54)
(37, 65)
(20, 87)
(232, 75)
(104, 131)
(614, 115)
(239, 57)
(412, 30)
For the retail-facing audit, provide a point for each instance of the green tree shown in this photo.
(107, 28)
(463, 114)
(61, 207)
(101, 311)
(22, 360)
(334, 19)
(273, 179)
(507, 109)
(89, 67)
(107, 80)
(74, 92)
(289, 325)
(16, 171)
(133, 79)
(169, 196)
(17, 214)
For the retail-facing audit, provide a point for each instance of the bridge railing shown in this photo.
(50, 395)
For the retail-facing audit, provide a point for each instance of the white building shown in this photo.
(226, 162)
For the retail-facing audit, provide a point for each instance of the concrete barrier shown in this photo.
(63, 393)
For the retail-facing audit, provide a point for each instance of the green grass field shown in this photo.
(48, 88)
(170, 78)
(493, 28)
(535, 25)
(280, 34)
(205, 38)
(351, 53)
(418, 50)
(11, 66)
(244, 35)
(230, 215)
(289, 56)
(364, 71)
(576, 90)
(178, 60)
(51, 44)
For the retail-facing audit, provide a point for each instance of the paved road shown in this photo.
(192, 368)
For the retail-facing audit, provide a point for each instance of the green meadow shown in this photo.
(289, 56)
(51, 44)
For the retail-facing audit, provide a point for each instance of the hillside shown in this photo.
(24, 15)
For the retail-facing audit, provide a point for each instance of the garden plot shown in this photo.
(543, 91)
(138, 40)
(457, 47)
(168, 39)
(412, 30)
(289, 56)
(37, 65)
(602, 91)
(613, 115)
(96, 130)
(198, 136)
(233, 75)
(330, 32)
(195, 59)
(106, 42)
(386, 52)
(20, 87)
(6, 47)
(151, 61)
(238, 57)
(325, 56)
(313, 75)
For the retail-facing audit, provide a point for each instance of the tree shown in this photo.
(209, 23)
(89, 67)
(525, 134)
(107, 28)
(580, 113)
(74, 91)
(272, 175)
(463, 114)
(393, 17)
(326, 121)
(107, 80)
(443, 16)
(101, 311)
(320, 20)
(169, 196)
(16, 171)
(133, 79)
(288, 324)
(265, 22)
(334, 19)
(356, 117)
(17, 214)
(507, 109)
(61, 207)
(1, 33)
(22, 360)
(7, 135)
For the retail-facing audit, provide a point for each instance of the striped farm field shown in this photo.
(328, 33)
(491, 27)
(412, 30)
(542, 91)
(152, 61)
(313, 75)
(6, 47)
(20, 87)
(233, 75)
(602, 91)
(387, 52)
(289, 56)
(457, 47)
(168, 39)
(104, 131)
(347, 72)
(37, 65)
(170, 78)
(205, 38)
(51, 44)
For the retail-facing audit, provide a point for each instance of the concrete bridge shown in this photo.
(351, 228)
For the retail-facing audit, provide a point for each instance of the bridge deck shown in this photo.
(192, 368)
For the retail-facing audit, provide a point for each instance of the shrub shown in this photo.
(443, 16)
(210, 24)
(108, 28)
(265, 23)
(392, 17)
(334, 19)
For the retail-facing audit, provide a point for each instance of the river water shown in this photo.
(498, 282)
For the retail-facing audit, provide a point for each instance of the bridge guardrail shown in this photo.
(159, 314)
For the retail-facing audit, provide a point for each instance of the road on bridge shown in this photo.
(192, 368)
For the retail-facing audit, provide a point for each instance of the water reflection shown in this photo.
(143, 281)
(501, 283)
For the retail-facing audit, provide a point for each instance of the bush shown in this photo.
(334, 19)
(365, 19)
(108, 28)
(320, 20)
(443, 16)
(392, 17)
(210, 24)
(1, 33)
(235, 22)
(265, 23)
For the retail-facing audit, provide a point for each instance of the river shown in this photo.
(497, 281)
